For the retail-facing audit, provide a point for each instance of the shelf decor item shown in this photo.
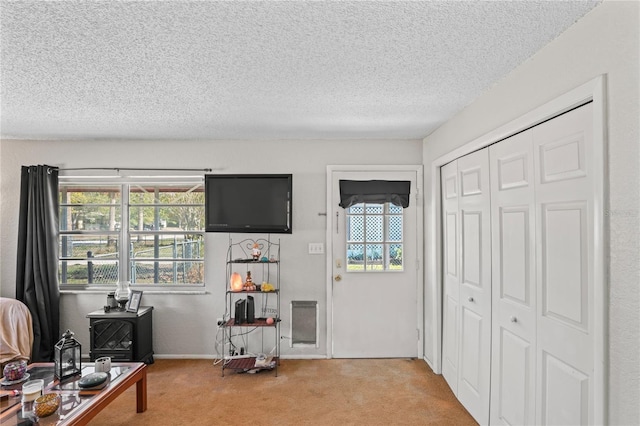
(15, 370)
(255, 251)
(67, 356)
(122, 294)
(93, 381)
(134, 301)
(236, 282)
(46, 404)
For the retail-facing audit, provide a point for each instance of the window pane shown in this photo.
(355, 257)
(167, 194)
(89, 194)
(99, 246)
(167, 272)
(356, 209)
(93, 208)
(374, 228)
(355, 228)
(393, 209)
(169, 218)
(182, 195)
(374, 208)
(85, 218)
(374, 258)
(395, 257)
(163, 246)
(395, 228)
(88, 272)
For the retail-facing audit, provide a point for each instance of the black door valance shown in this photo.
(374, 191)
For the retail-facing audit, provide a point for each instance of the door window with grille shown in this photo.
(374, 237)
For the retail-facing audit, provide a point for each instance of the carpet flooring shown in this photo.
(305, 392)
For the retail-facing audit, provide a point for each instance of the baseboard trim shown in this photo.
(213, 357)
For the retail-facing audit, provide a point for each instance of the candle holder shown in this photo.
(67, 356)
(122, 295)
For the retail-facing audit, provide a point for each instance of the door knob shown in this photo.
(470, 299)
(513, 319)
(338, 277)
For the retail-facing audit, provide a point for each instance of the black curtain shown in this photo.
(374, 191)
(37, 269)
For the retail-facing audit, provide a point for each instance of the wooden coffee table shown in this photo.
(77, 406)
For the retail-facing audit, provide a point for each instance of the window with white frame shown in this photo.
(148, 233)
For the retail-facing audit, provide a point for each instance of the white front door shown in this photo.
(374, 288)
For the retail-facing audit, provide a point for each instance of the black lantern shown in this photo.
(67, 356)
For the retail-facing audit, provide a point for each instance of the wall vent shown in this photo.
(304, 323)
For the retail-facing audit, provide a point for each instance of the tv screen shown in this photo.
(248, 203)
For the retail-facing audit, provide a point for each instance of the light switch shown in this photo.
(316, 248)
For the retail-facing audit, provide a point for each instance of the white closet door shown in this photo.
(519, 283)
(475, 284)
(565, 252)
(451, 276)
(513, 275)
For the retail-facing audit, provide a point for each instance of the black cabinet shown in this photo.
(123, 336)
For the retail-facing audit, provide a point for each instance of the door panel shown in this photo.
(514, 244)
(451, 253)
(471, 347)
(375, 314)
(471, 247)
(564, 280)
(514, 391)
(514, 298)
(565, 393)
(451, 341)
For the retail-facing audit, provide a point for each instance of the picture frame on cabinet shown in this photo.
(134, 301)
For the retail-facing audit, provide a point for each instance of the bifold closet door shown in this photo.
(518, 294)
(451, 276)
(514, 285)
(565, 243)
(543, 246)
(475, 284)
(467, 291)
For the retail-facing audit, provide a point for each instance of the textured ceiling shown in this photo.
(258, 70)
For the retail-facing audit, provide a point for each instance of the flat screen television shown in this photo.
(248, 203)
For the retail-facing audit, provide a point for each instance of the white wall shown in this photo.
(184, 325)
(605, 41)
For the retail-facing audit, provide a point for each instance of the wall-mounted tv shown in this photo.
(248, 203)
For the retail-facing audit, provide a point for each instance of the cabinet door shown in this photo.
(114, 336)
(513, 276)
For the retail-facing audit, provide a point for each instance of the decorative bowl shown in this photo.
(15, 370)
(46, 404)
